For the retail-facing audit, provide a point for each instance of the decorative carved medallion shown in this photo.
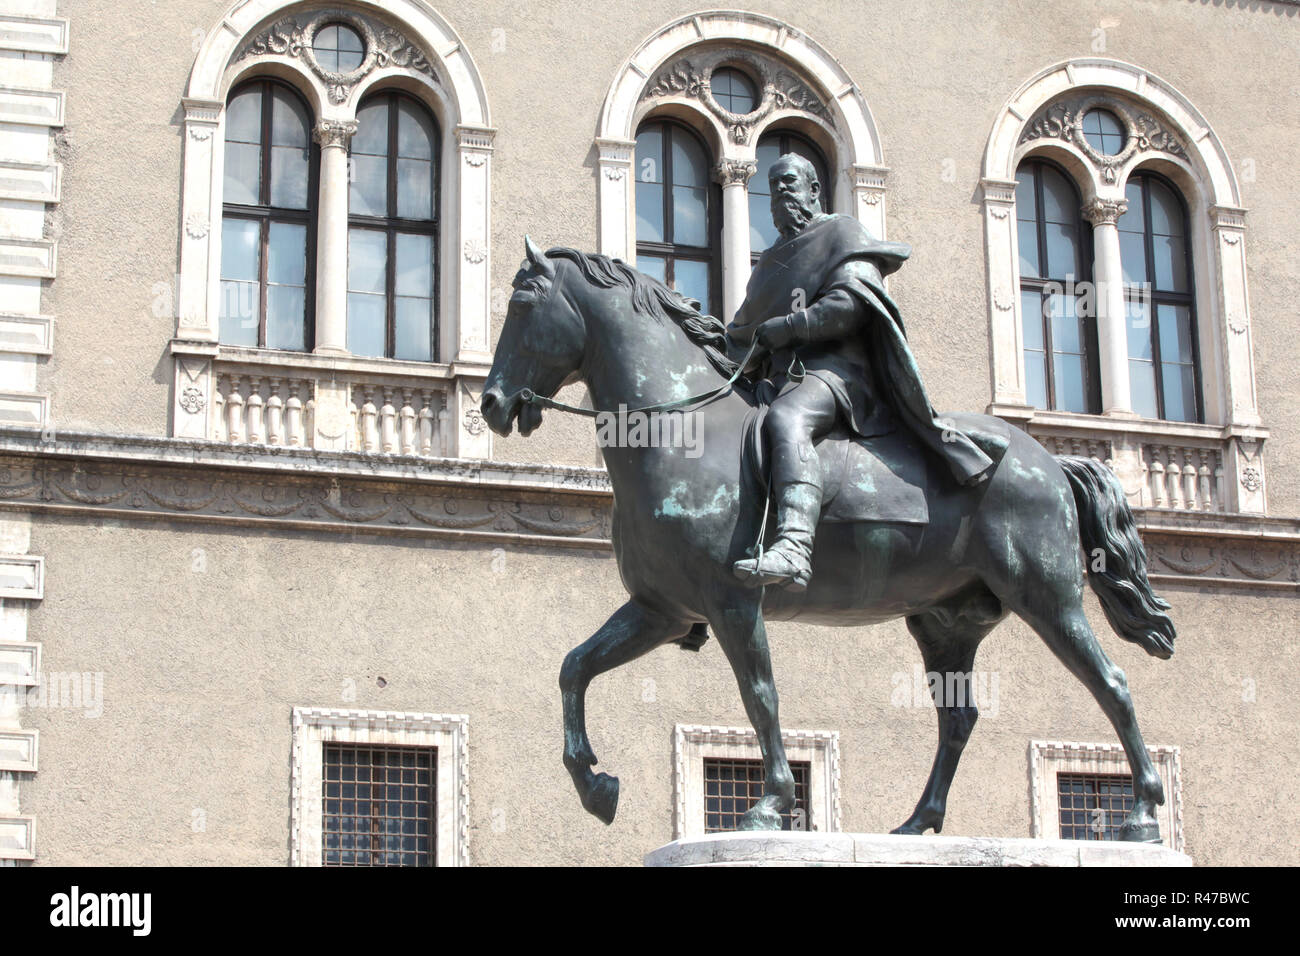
(475, 159)
(475, 251)
(1064, 120)
(192, 400)
(780, 89)
(384, 47)
(475, 423)
(200, 134)
(196, 225)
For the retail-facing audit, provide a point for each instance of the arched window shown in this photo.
(676, 221)
(392, 226)
(1057, 308)
(268, 222)
(762, 232)
(1164, 367)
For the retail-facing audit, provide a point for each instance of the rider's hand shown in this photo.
(776, 333)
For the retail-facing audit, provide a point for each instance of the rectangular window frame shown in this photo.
(693, 743)
(314, 726)
(1048, 758)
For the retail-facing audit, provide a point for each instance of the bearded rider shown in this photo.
(849, 340)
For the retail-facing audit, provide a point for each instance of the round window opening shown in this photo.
(734, 91)
(338, 48)
(1104, 132)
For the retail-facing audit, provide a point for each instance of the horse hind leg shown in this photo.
(948, 637)
(630, 632)
(1070, 637)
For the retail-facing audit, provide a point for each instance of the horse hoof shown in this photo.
(602, 801)
(760, 818)
(909, 829)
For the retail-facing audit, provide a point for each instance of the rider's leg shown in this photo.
(795, 420)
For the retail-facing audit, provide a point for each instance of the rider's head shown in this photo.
(795, 193)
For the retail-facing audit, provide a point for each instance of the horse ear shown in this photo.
(538, 258)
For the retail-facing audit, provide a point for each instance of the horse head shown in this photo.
(541, 347)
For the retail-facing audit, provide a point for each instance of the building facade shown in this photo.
(272, 589)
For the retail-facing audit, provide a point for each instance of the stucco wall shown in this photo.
(201, 669)
(934, 76)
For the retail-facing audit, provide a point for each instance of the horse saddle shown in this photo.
(885, 478)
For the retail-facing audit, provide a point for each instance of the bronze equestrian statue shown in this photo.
(949, 523)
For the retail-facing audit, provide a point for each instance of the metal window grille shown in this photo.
(1092, 806)
(733, 786)
(379, 805)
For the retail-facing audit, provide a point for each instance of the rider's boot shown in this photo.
(797, 476)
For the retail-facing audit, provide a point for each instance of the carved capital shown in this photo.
(734, 172)
(335, 133)
(1103, 211)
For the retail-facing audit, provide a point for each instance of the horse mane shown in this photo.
(650, 297)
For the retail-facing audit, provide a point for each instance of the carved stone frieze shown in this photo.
(333, 503)
(1211, 560)
(779, 88)
(385, 46)
(1063, 120)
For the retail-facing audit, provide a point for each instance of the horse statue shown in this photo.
(681, 519)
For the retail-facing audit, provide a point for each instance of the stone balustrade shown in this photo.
(1170, 466)
(388, 415)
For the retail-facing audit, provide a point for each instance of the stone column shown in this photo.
(734, 175)
(868, 197)
(471, 321)
(616, 236)
(199, 284)
(1108, 279)
(334, 137)
(1003, 300)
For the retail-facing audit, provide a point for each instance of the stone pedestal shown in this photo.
(882, 849)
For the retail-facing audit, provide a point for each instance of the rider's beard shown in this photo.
(791, 216)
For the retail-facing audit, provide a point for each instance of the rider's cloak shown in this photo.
(836, 253)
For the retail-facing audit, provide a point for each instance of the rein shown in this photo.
(529, 397)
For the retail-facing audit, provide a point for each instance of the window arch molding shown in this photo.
(800, 86)
(410, 47)
(1166, 134)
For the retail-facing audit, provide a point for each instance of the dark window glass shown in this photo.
(392, 230)
(1057, 307)
(762, 231)
(731, 787)
(1092, 806)
(676, 223)
(379, 805)
(733, 91)
(1163, 358)
(338, 48)
(268, 223)
(1104, 132)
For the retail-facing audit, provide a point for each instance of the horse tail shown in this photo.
(1109, 533)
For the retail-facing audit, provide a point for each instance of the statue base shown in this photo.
(766, 848)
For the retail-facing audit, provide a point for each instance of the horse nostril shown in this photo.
(488, 402)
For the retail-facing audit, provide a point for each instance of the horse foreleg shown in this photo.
(743, 638)
(948, 646)
(630, 632)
